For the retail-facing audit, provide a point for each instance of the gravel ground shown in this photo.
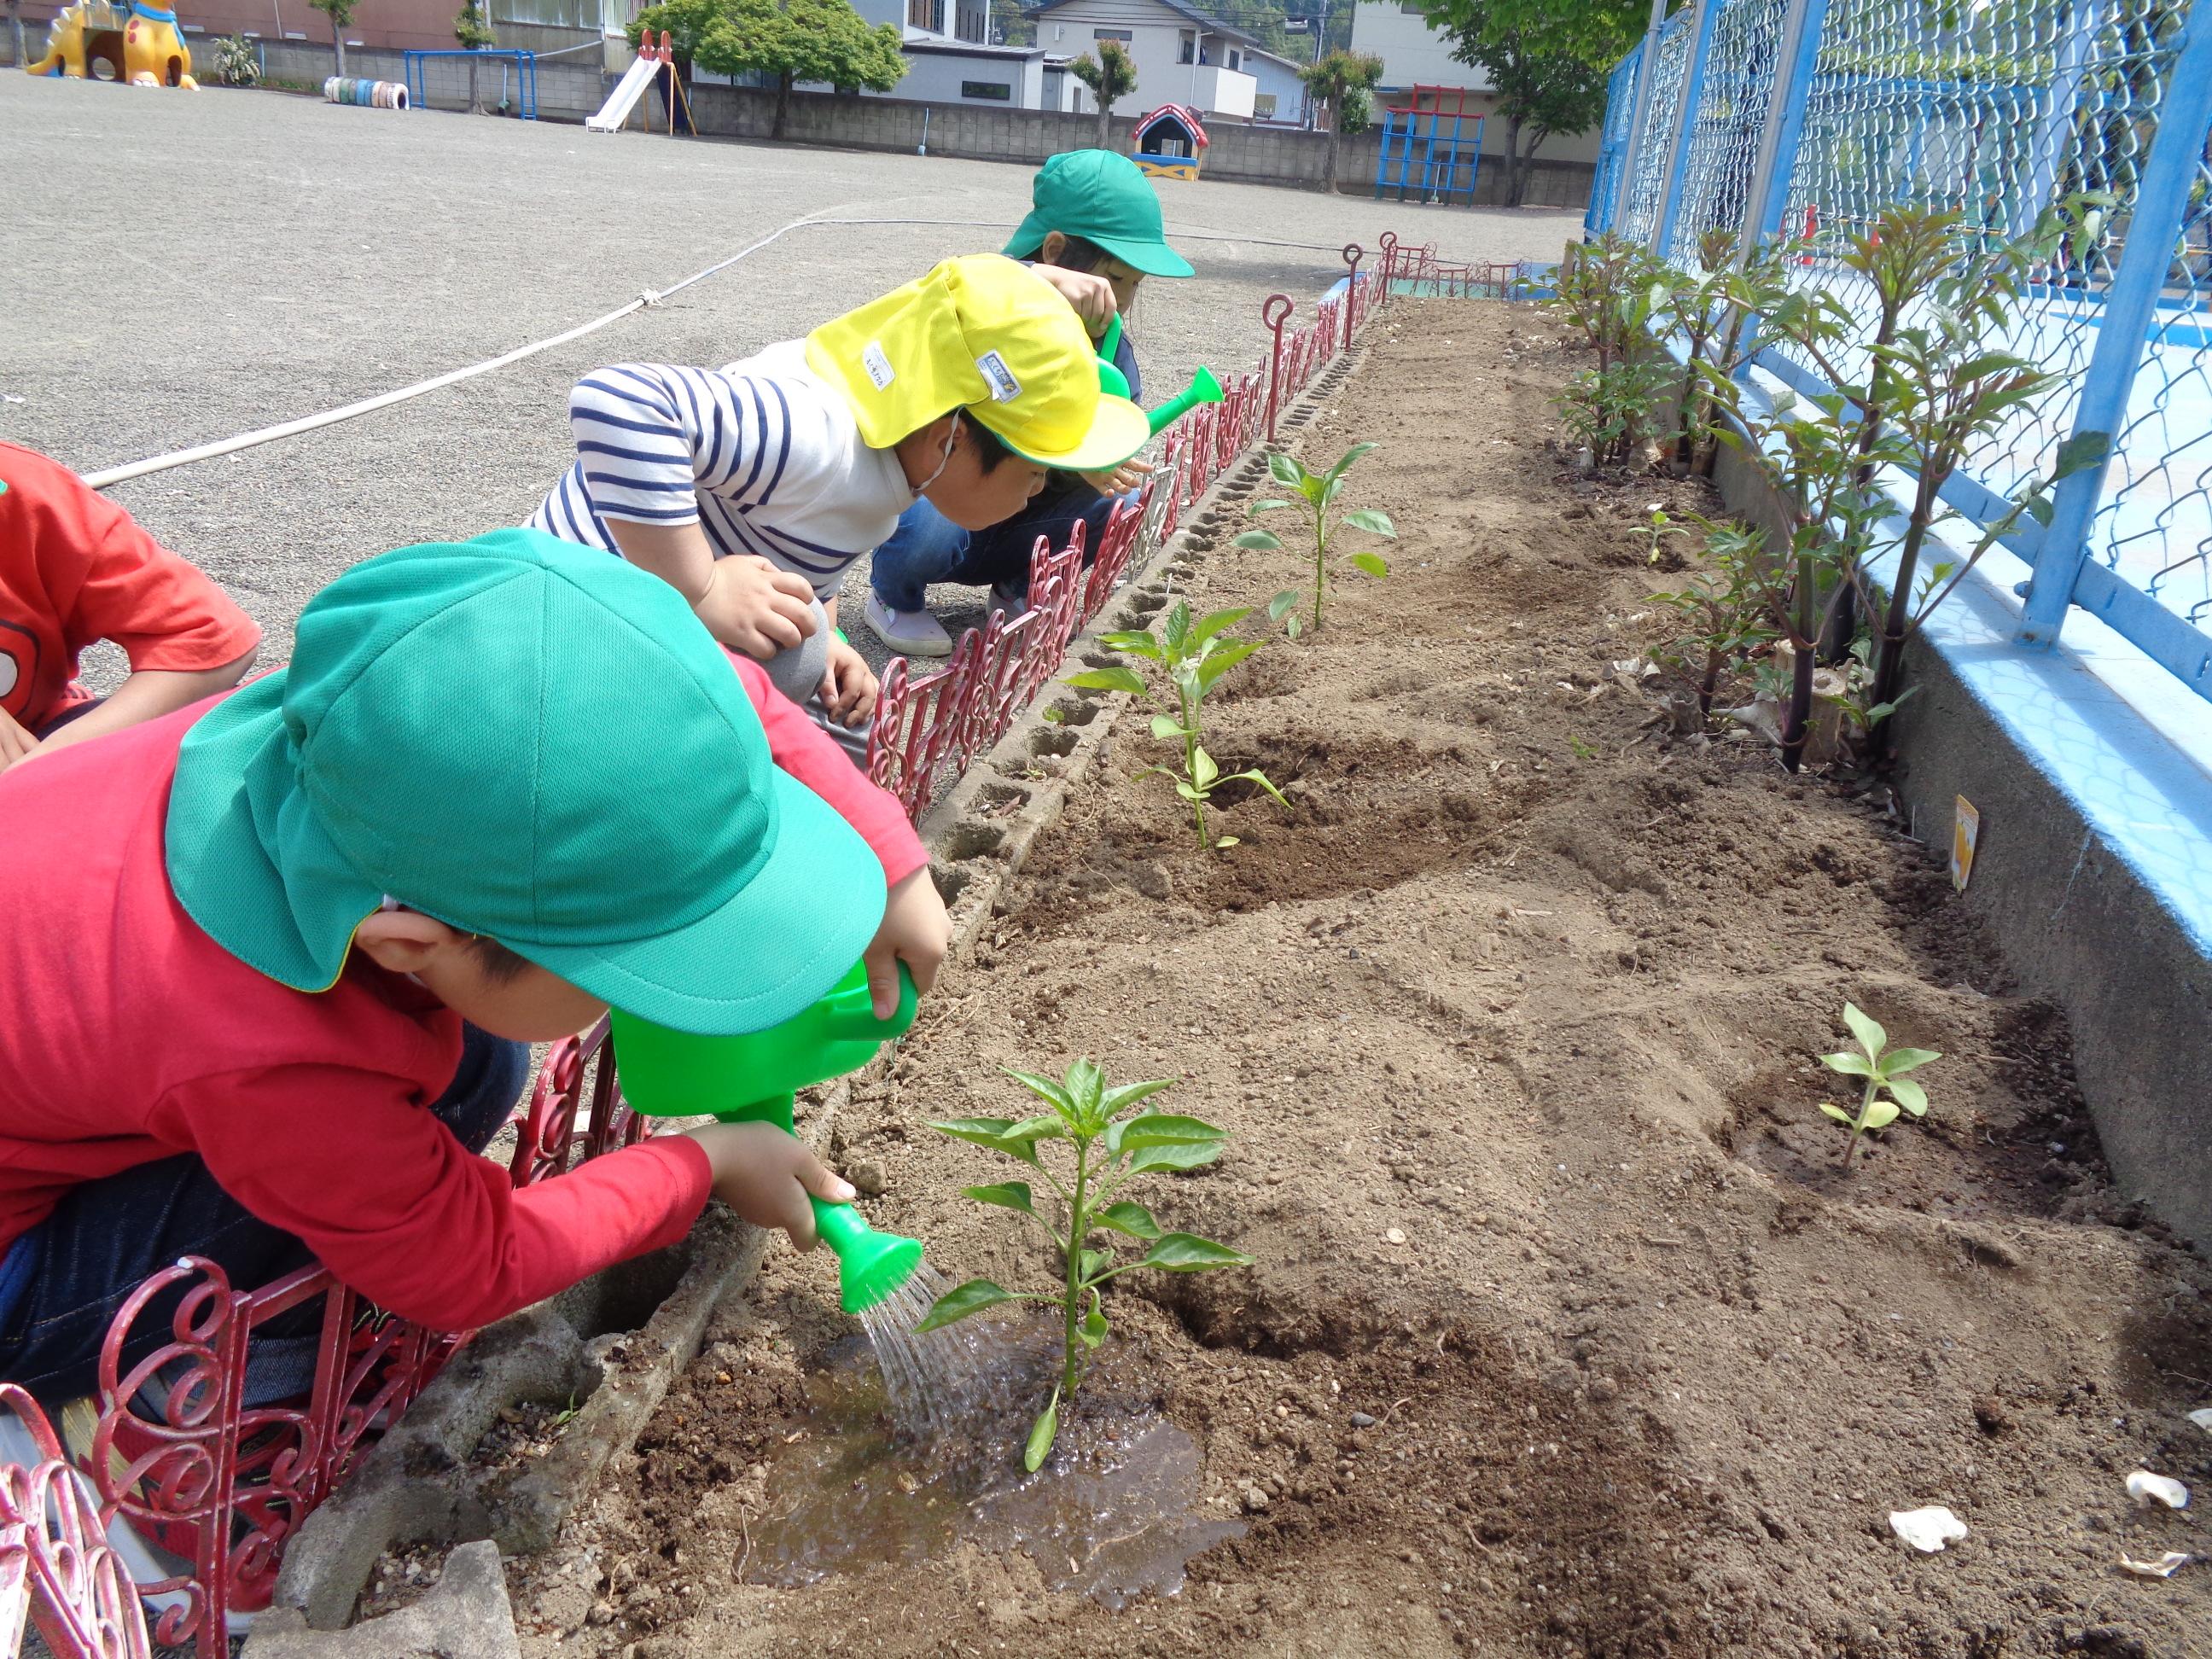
(234, 259)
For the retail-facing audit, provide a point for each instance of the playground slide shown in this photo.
(623, 99)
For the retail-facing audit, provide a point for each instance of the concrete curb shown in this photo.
(613, 1344)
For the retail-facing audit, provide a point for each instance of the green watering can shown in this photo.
(753, 1080)
(1203, 387)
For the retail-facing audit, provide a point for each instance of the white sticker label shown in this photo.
(1005, 388)
(877, 365)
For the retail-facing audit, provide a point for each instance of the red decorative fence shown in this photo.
(221, 1485)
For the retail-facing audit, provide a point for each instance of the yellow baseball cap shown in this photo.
(988, 335)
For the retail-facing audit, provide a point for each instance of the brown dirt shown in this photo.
(1538, 989)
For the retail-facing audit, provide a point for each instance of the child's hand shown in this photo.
(752, 606)
(1091, 295)
(1120, 480)
(849, 685)
(765, 1176)
(15, 743)
(915, 931)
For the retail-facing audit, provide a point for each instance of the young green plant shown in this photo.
(1882, 1068)
(1190, 657)
(1109, 1148)
(1317, 494)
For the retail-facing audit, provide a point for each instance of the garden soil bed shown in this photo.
(1567, 1335)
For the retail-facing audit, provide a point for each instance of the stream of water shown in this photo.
(900, 1460)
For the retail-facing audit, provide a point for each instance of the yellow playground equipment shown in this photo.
(139, 44)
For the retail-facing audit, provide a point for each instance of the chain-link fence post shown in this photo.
(2123, 337)
(1785, 122)
(1647, 69)
(1685, 117)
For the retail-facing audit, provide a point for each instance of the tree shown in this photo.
(340, 12)
(1548, 60)
(802, 40)
(1345, 82)
(1111, 77)
(683, 21)
(1011, 25)
(473, 30)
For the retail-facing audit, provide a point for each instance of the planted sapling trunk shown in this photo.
(1883, 1069)
(1191, 657)
(1108, 1148)
(1317, 494)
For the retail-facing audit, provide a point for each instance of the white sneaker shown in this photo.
(910, 633)
(1013, 601)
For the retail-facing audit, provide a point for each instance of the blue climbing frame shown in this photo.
(416, 71)
(1806, 118)
(1432, 149)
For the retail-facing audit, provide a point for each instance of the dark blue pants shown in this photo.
(927, 547)
(62, 1281)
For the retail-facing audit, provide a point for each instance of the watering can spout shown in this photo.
(1204, 388)
(756, 1078)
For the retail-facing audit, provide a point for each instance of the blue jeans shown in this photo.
(62, 1281)
(927, 547)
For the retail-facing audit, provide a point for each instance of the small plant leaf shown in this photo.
(1258, 507)
(1374, 523)
(1910, 1094)
(1164, 725)
(1161, 1129)
(1092, 1330)
(1227, 841)
(1192, 1155)
(1881, 1115)
(1372, 563)
(1294, 627)
(1221, 661)
(1849, 1065)
(1094, 1263)
(1835, 1111)
(1283, 604)
(1085, 1083)
(1128, 1094)
(1260, 778)
(1044, 1088)
(1138, 641)
(1285, 469)
(1217, 622)
(1174, 633)
(1187, 1253)
(1041, 1435)
(1261, 541)
(1897, 1061)
(1203, 770)
(984, 1131)
(2079, 452)
(1315, 488)
(958, 1302)
(1048, 1126)
(1344, 461)
(1866, 1028)
(1007, 1195)
(1116, 678)
(1188, 793)
(1129, 1217)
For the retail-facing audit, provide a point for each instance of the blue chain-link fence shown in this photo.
(1806, 118)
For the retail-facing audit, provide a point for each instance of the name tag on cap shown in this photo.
(1005, 388)
(879, 365)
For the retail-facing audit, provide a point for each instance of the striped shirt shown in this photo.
(764, 456)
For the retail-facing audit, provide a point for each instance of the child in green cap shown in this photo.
(1095, 231)
(753, 487)
(271, 961)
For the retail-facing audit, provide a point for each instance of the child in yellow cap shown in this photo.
(752, 488)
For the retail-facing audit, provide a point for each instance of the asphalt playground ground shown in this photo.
(190, 267)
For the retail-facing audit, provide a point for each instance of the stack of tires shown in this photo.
(376, 94)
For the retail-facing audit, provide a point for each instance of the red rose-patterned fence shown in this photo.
(221, 1485)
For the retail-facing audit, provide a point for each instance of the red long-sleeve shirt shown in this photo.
(127, 1035)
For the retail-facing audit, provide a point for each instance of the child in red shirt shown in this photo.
(74, 568)
(270, 963)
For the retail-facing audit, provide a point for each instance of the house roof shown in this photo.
(929, 46)
(1211, 24)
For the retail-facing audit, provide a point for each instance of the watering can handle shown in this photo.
(855, 1019)
(1109, 343)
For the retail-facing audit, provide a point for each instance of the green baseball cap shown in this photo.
(531, 741)
(1104, 197)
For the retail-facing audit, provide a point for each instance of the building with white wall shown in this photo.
(1412, 54)
(1277, 93)
(1182, 55)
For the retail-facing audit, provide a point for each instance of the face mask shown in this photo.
(943, 461)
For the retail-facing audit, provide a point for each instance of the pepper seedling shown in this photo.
(1317, 493)
(1109, 1149)
(1883, 1069)
(1191, 657)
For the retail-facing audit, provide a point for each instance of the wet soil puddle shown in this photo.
(1114, 1513)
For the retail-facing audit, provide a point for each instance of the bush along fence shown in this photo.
(2058, 151)
(185, 1448)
